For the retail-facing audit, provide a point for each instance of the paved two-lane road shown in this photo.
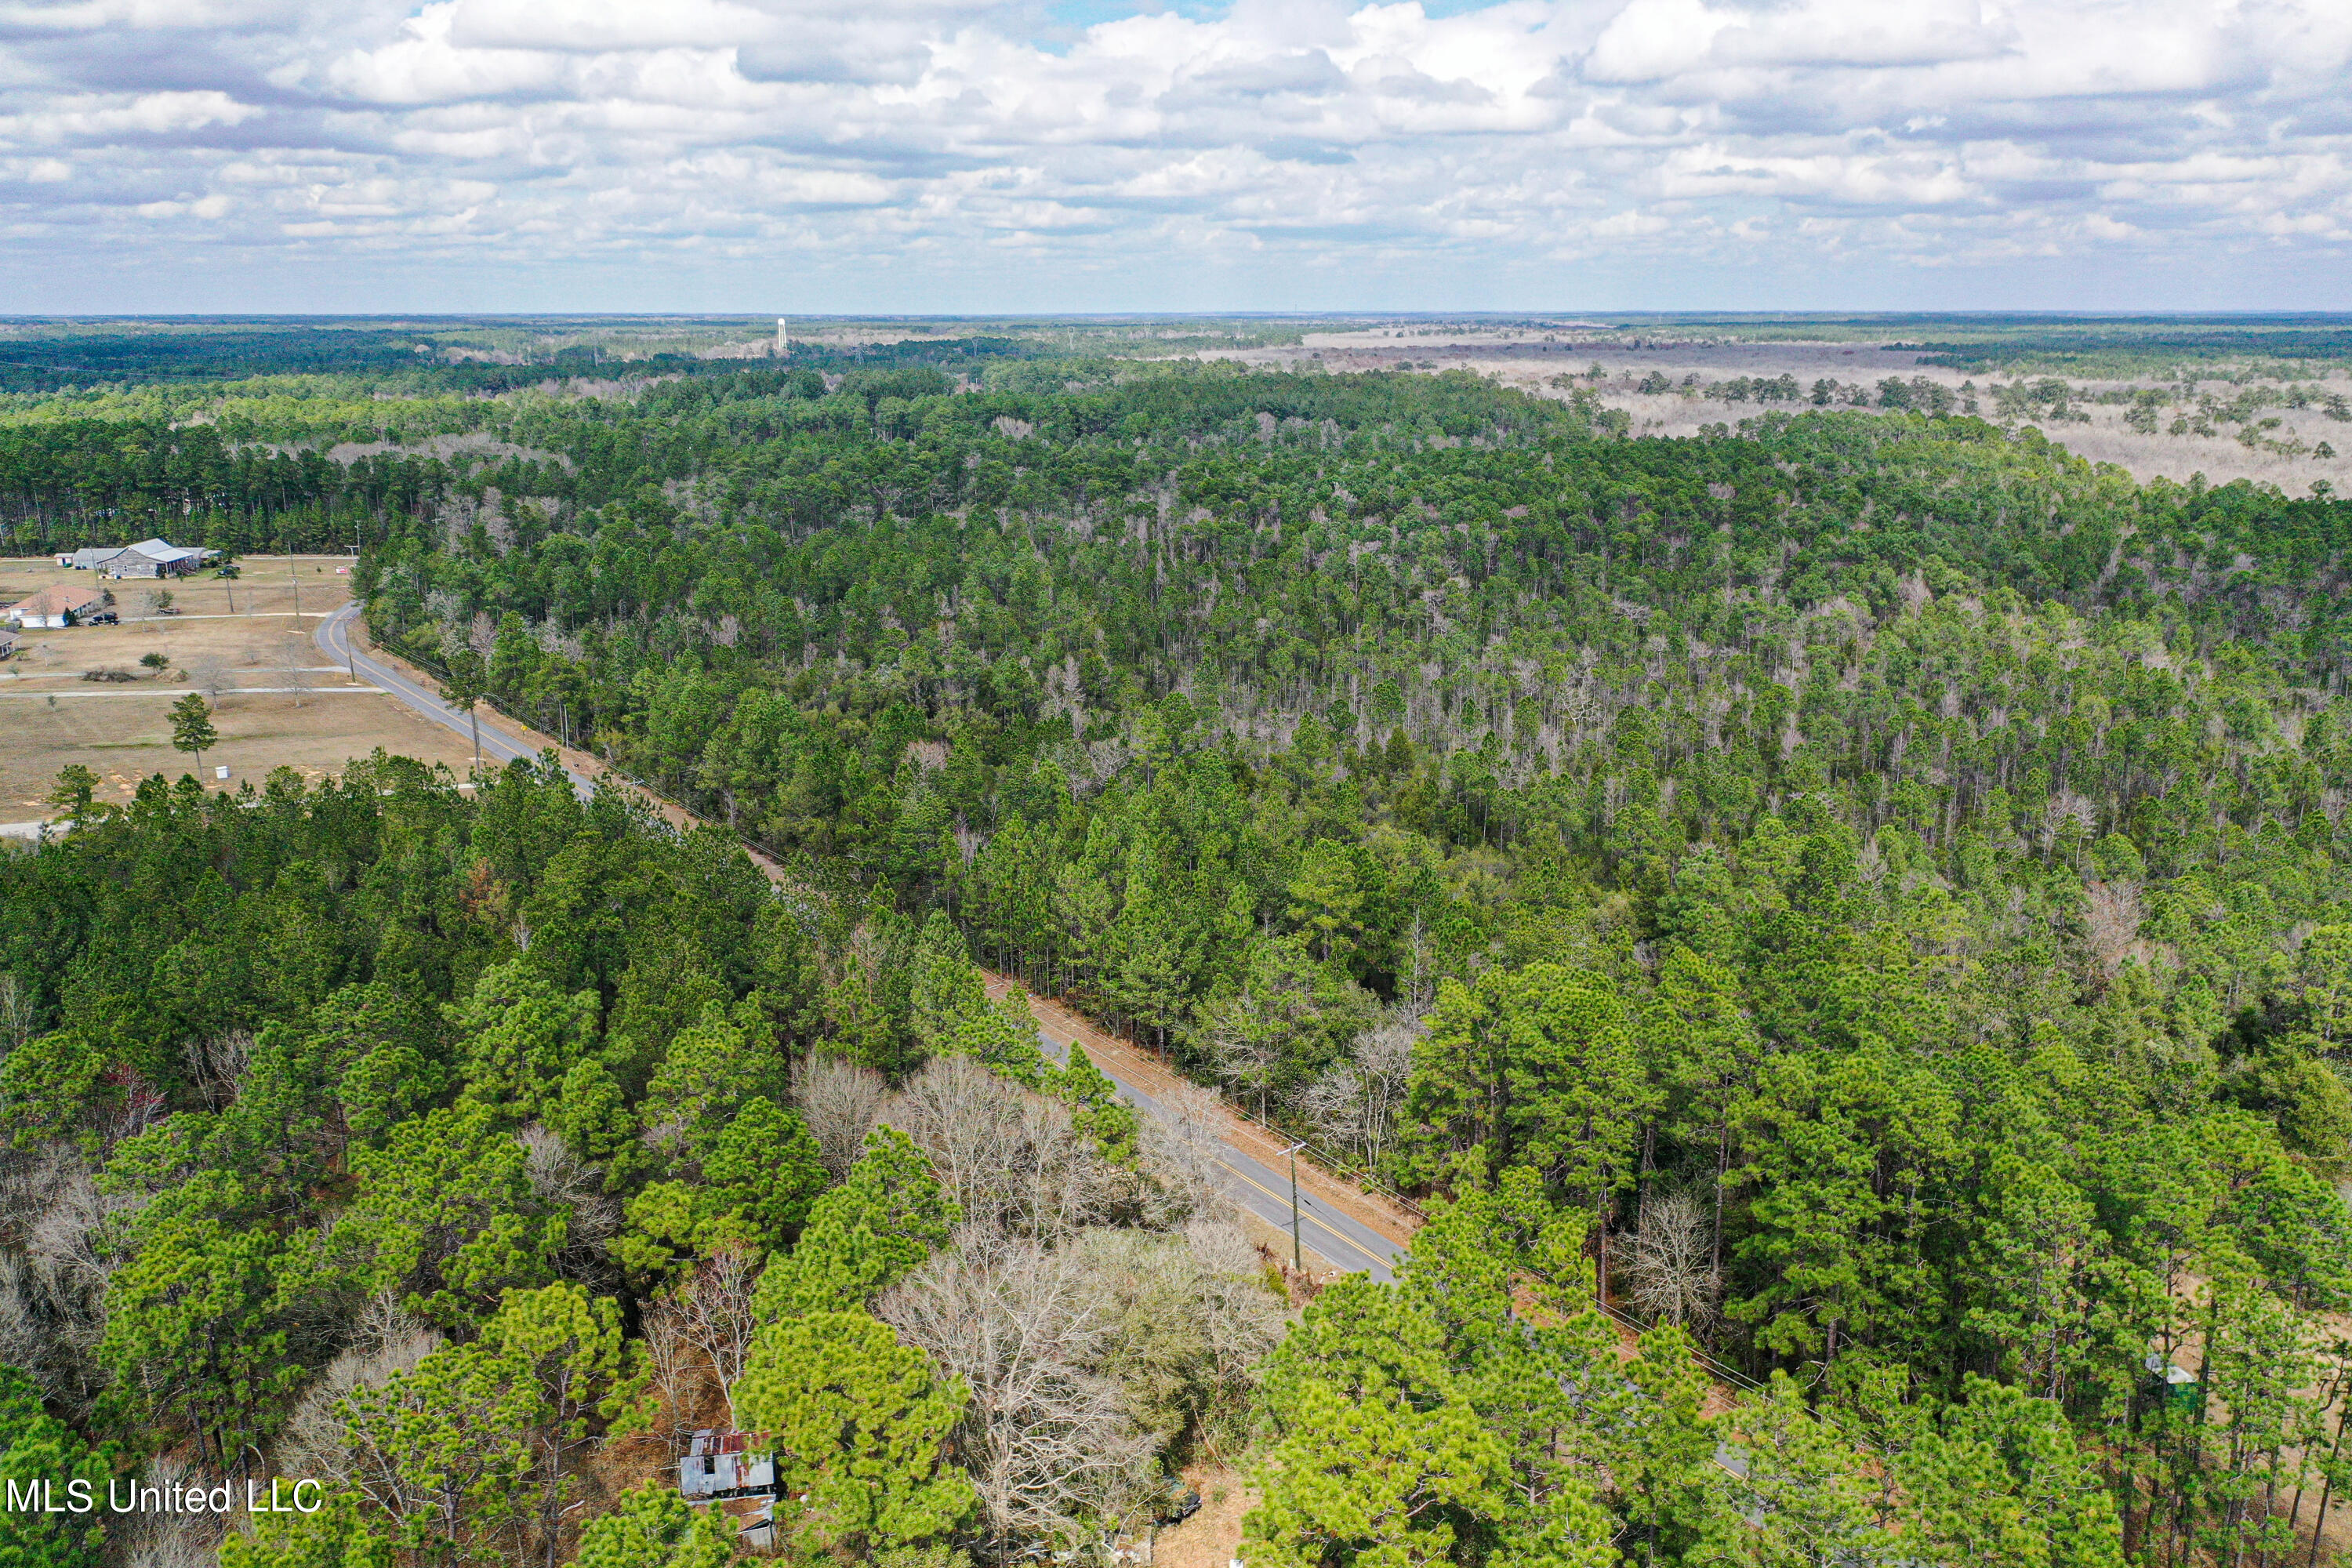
(1340, 1239)
(334, 640)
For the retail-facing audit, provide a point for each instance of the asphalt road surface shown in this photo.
(1342, 1240)
(334, 639)
(1263, 1190)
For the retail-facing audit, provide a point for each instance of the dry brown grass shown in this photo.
(50, 716)
(1212, 1537)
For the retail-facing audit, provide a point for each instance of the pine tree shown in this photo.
(865, 1234)
(652, 1527)
(192, 727)
(860, 1424)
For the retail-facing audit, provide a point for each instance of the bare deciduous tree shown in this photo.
(166, 1538)
(57, 1280)
(482, 633)
(1244, 1318)
(16, 1015)
(140, 1106)
(1049, 1445)
(24, 1341)
(1010, 1156)
(1183, 1152)
(387, 1341)
(839, 1100)
(560, 1178)
(205, 672)
(1195, 1320)
(1355, 1104)
(294, 664)
(710, 1313)
(383, 1323)
(677, 1373)
(216, 1067)
(1244, 1042)
(1670, 1271)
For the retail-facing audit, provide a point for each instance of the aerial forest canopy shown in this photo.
(1861, 892)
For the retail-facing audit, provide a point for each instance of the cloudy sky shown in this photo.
(944, 155)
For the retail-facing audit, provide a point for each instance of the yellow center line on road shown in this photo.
(1306, 1218)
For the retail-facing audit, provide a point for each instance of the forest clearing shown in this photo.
(1669, 384)
(237, 641)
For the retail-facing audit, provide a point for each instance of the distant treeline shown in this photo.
(208, 353)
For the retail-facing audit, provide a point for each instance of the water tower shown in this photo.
(780, 345)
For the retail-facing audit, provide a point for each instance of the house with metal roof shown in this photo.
(153, 558)
(726, 1465)
(148, 558)
(734, 1472)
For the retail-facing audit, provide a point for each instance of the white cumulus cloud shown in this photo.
(959, 155)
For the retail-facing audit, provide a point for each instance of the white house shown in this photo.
(53, 608)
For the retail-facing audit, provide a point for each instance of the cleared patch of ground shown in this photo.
(277, 700)
(1212, 1537)
(1532, 359)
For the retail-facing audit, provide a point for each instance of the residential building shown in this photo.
(154, 558)
(64, 604)
(148, 558)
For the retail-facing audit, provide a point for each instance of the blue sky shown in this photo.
(930, 155)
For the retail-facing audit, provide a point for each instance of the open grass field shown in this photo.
(277, 700)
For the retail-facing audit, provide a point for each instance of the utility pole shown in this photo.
(1297, 1261)
(350, 658)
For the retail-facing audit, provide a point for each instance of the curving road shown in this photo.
(1340, 1239)
(334, 639)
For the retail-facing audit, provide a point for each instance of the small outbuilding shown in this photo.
(62, 605)
(734, 1472)
(726, 1464)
